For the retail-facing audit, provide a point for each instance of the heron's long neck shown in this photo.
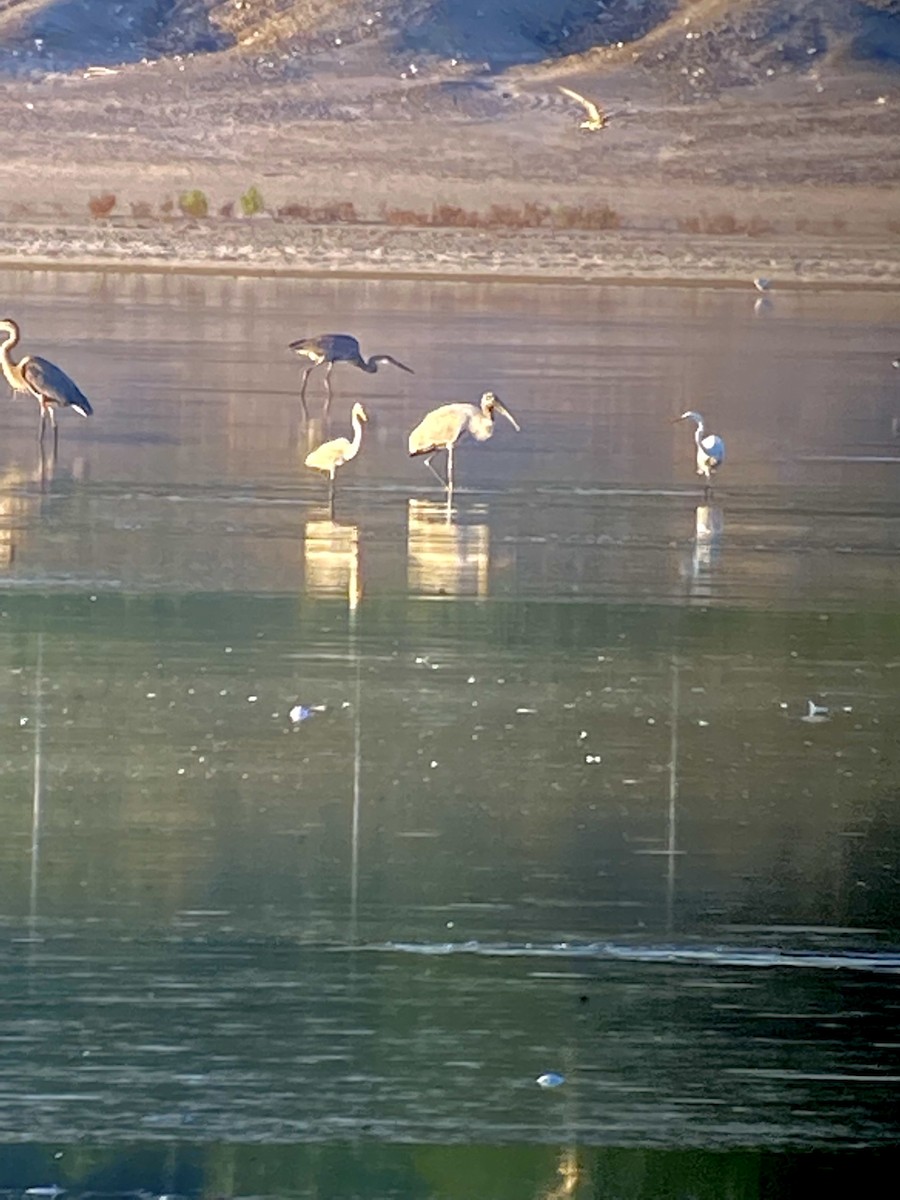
(698, 433)
(370, 365)
(10, 369)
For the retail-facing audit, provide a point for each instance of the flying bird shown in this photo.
(49, 385)
(710, 447)
(336, 347)
(331, 455)
(596, 117)
(444, 427)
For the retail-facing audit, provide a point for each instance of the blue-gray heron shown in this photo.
(443, 427)
(331, 455)
(336, 347)
(710, 447)
(50, 386)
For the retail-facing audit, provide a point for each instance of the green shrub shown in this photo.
(194, 203)
(252, 202)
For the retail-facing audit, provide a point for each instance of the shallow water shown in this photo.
(557, 808)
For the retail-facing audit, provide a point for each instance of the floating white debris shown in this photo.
(252, 699)
(592, 758)
(815, 713)
(550, 1079)
(526, 710)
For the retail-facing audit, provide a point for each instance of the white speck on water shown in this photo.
(550, 1079)
(651, 720)
(180, 771)
(252, 699)
(471, 679)
(815, 713)
(228, 650)
(433, 763)
(151, 695)
(703, 724)
(23, 721)
(582, 735)
(592, 758)
(526, 710)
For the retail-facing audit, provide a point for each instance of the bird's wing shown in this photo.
(590, 107)
(440, 427)
(713, 447)
(333, 452)
(50, 383)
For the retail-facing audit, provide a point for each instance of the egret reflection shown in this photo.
(709, 525)
(331, 560)
(569, 1174)
(445, 557)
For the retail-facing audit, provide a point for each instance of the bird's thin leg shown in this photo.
(331, 495)
(303, 384)
(450, 470)
(43, 425)
(327, 404)
(434, 470)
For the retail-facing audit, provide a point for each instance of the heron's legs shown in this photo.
(434, 470)
(303, 384)
(450, 470)
(328, 371)
(331, 495)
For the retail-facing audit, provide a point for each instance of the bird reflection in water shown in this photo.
(709, 524)
(569, 1175)
(331, 560)
(17, 497)
(445, 557)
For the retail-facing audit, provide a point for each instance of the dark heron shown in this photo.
(443, 427)
(331, 455)
(50, 386)
(710, 447)
(336, 347)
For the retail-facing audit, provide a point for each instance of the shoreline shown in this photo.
(273, 248)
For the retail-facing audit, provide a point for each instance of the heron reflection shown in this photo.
(443, 556)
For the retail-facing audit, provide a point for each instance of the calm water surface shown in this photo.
(555, 807)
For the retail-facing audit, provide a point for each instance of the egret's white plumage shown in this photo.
(596, 117)
(710, 447)
(443, 427)
(331, 455)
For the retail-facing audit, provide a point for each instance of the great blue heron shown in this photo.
(331, 455)
(443, 427)
(710, 447)
(336, 347)
(50, 386)
(596, 117)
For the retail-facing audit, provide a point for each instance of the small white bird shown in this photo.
(331, 455)
(815, 713)
(710, 447)
(761, 283)
(597, 118)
